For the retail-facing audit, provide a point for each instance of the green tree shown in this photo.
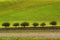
(6, 24)
(24, 24)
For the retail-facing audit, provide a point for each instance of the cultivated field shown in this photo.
(29, 35)
(30, 11)
(29, 38)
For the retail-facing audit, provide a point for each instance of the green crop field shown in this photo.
(30, 10)
(28, 38)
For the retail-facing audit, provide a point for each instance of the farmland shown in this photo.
(30, 11)
(29, 38)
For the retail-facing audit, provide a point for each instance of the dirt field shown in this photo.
(44, 35)
(31, 33)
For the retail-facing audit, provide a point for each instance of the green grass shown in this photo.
(27, 38)
(30, 10)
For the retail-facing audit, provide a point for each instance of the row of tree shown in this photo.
(24, 24)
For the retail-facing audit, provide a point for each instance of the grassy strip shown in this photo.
(28, 38)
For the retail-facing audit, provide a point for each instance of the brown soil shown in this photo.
(45, 35)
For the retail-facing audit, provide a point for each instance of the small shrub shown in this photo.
(42, 24)
(35, 24)
(16, 24)
(6, 24)
(24, 24)
(53, 23)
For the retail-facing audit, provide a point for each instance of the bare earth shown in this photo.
(44, 35)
